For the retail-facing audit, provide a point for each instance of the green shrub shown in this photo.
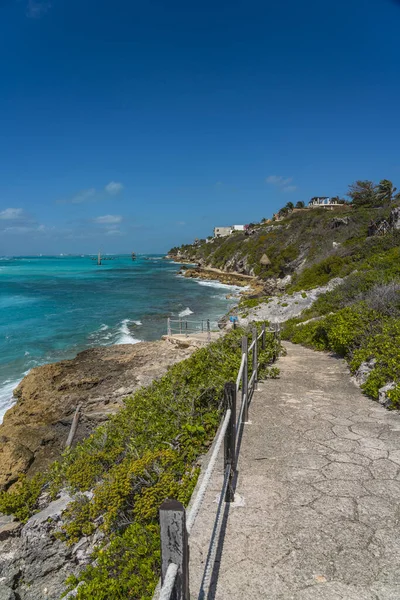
(22, 501)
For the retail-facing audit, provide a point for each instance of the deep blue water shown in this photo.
(53, 307)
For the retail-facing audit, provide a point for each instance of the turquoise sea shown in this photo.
(53, 307)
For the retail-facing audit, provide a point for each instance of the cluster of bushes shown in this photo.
(361, 335)
(360, 319)
(145, 453)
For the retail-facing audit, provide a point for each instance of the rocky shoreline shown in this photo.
(35, 429)
(253, 284)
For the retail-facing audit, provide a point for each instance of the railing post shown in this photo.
(245, 380)
(186, 329)
(208, 330)
(276, 340)
(263, 337)
(255, 358)
(174, 546)
(169, 326)
(180, 326)
(230, 437)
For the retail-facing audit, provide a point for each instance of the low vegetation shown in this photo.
(147, 452)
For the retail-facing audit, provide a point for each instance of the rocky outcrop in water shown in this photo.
(35, 429)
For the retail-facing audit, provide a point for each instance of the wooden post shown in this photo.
(186, 329)
(230, 437)
(276, 341)
(74, 427)
(180, 325)
(208, 330)
(174, 546)
(245, 380)
(169, 326)
(255, 358)
(263, 337)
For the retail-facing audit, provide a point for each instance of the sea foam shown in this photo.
(186, 312)
(224, 286)
(124, 335)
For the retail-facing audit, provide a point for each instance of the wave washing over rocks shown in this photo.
(124, 334)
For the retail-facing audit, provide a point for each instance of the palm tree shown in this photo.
(300, 204)
(386, 192)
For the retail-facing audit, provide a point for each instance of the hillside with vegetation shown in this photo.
(360, 243)
(299, 238)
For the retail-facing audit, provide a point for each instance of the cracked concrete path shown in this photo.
(317, 510)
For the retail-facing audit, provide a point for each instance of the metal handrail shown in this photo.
(230, 431)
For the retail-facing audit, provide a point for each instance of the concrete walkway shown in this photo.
(317, 511)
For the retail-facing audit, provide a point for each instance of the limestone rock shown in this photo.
(383, 394)
(279, 309)
(395, 217)
(15, 458)
(6, 593)
(363, 371)
(8, 527)
(338, 222)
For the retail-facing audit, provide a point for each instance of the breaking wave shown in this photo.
(124, 334)
(186, 312)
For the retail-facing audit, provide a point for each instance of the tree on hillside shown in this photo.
(363, 193)
(283, 211)
(386, 192)
(289, 205)
(300, 204)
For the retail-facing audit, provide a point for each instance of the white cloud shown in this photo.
(83, 196)
(80, 197)
(108, 219)
(290, 188)
(12, 214)
(113, 188)
(114, 232)
(17, 229)
(278, 180)
(181, 223)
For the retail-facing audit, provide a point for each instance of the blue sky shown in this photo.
(134, 125)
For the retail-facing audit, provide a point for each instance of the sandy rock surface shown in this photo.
(35, 429)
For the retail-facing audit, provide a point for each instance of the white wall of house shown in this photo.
(222, 231)
(238, 227)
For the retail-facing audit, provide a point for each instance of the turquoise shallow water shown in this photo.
(53, 307)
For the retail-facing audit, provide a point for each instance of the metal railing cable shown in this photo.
(207, 475)
(169, 582)
(212, 549)
(175, 528)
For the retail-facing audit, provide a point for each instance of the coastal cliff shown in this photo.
(35, 429)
